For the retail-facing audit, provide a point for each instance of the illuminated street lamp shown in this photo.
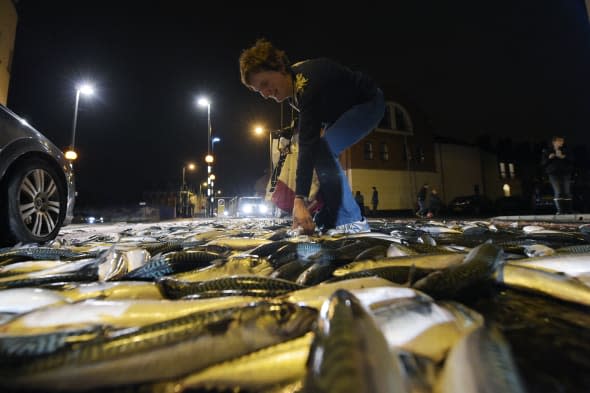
(190, 167)
(87, 90)
(201, 196)
(213, 142)
(204, 102)
(184, 194)
(259, 130)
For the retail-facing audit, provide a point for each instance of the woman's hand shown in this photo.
(301, 217)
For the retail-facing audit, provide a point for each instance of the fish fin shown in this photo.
(411, 275)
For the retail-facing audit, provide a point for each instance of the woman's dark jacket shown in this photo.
(323, 91)
(555, 165)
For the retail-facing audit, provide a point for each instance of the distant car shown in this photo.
(37, 189)
(470, 204)
(253, 207)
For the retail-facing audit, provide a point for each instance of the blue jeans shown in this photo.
(352, 126)
(561, 186)
(422, 210)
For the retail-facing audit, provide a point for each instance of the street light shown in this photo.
(259, 130)
(204, 102)
(184, 190)
(213, 142)
(87, 90)
(190, 167)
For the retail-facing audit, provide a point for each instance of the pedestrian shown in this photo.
(558, 165)
(422, 193)
(336, 108)
(375, 200)
(360, 200)
(434, 203)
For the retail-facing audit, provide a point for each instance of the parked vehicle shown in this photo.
(37, 189)
(470, 204)
(253, 207)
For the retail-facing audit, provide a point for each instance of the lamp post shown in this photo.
(202, 184)
(184, 190)
(209, 158)
(87, 90)
(213, 142)
(259, 130)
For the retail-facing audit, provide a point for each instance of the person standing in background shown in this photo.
(375, 199)
(434, 204)
(558, 164)
(360, 200)
(422, 209)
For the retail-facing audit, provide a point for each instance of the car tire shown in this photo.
(35, 202)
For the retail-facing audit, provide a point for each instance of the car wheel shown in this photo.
(36, 201)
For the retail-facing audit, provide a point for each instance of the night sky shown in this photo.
(518, 68)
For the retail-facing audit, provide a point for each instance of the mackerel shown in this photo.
(277, 364)
(171, 263)
(236, 265)
(570, 264)
(175, 289)
(422, 326)
(478, 266)
(547, 283)
(160, 351)
(427, 261)
(349, 353)
(113, 313)
(480, 362)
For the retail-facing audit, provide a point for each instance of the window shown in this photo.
(511, 170)
(368, 151)
(503, 170)
(420, 154)
(396, 120)
(407, 153)
(384, 152)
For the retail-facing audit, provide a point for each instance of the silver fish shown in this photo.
(165, 350)
(349, 352)
(479, 265)
(481, 362)
(547, 283)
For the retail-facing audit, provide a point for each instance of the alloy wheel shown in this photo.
(39, 202)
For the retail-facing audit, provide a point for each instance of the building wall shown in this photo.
(397, 188)
(8, 20)
(494, 183)
(460, 169)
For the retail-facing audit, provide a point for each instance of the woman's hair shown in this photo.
(556, 137)
(263, 56)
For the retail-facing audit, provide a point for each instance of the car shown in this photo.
(37, 186)
(253, 207)
(470, 204)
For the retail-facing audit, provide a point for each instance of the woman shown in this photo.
(337, 108)
(558, 165)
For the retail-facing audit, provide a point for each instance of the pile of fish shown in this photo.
(240, 305)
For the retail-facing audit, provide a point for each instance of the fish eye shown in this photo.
(283, 312)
